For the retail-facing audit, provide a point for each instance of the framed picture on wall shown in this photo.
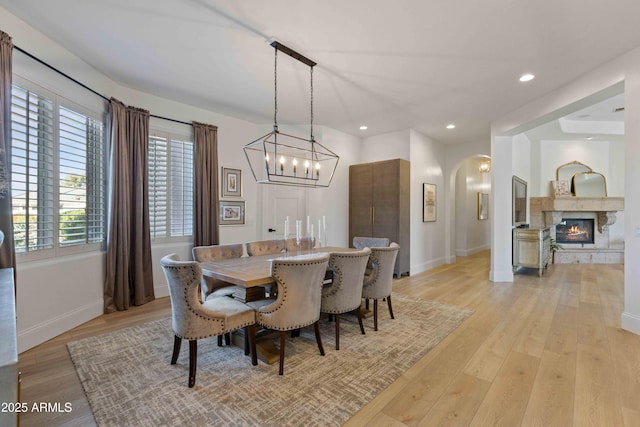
(231, 212)
(231, 182)
(428, 202)
(483, 206)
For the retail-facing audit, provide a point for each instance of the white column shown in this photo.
(500, 196)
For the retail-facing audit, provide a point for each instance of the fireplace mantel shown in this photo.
(549, 212)
(581, 204)
(605, 208)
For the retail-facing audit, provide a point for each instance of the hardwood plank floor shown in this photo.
(542, 351)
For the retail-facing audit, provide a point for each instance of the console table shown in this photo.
(531, 248)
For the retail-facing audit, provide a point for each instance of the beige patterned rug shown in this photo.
(128, 380)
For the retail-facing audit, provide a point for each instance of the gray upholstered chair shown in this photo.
(306, 243)
(192, 319)
(212, 287)
(377, 283)
(299, 280)
(370, 242)
(264, 247)
(344, 294)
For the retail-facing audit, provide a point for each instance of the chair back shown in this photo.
(370, 242)
(215, 253)
(299, 280)
(377, 284)
(345, 292)
(306, 243)
(264, 247)
(183, 278)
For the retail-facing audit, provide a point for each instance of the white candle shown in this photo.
(308, 225)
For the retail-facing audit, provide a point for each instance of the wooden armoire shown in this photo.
(379, 205)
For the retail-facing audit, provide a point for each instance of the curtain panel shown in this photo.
(129, 279)
(7, 250)
(205, 177)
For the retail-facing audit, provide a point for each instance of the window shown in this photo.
(57, 173)
(170, 186)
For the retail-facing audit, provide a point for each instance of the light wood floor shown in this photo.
(537, 352)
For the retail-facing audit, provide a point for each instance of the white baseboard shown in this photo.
(467, 252)
(501, 276)
(42, 332)
(631, 322)
(416, 269)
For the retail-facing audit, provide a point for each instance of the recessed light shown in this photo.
(527, 77)
(451, 126)
(363, 127)
(589, 138)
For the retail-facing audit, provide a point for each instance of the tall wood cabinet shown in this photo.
(379, 205)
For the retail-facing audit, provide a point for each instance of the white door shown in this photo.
(280, 201)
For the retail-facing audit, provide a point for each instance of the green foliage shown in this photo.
(72, 226)
(554, 246)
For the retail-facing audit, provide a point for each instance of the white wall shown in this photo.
(471, 233)
(58, 294)
(624, 68)
(392, 145)
(427, 238)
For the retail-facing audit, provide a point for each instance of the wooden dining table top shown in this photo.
(255, 270)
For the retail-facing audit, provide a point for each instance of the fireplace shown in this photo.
(575, 230)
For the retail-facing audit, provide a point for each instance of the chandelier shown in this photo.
(283, 159)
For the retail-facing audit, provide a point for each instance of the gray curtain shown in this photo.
(205, 182)
(7, 250)
(129, 278)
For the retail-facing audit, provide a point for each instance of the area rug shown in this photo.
(128, 380)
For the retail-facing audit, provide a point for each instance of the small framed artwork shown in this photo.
(231, 182)
(429, 202)
(483, 206)
(231, 212)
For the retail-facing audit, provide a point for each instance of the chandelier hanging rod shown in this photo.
(292, 53)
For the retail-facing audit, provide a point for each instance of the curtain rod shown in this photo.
(85, 86)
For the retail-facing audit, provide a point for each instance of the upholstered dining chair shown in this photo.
(377, 283)
(370, 242)
(192, 319)
(306, 243)
(264, 247)
(344, 294)
(299, 279)
(212, 287)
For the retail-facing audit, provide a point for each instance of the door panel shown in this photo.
(360, 201)
(281, 201)
(385, 200)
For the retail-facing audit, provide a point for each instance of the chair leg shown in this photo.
(227, 338)
(193, 361)
(246, 342)
(316, 328)
(295, 333)
(359, 314)
(390, 308)
(219, 340)
(176, 349)
(283, 341)
(252, 343)
(337, 331)
(375, 314)
(366, 303)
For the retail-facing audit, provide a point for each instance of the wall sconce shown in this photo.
(485, 166)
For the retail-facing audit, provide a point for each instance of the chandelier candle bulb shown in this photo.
(306, 168)
(295, 163)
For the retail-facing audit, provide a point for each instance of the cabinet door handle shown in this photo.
(373, 216)
(370, 215)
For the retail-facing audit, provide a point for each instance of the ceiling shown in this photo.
(389, 65)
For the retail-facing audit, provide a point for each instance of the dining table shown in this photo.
(252, 271)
